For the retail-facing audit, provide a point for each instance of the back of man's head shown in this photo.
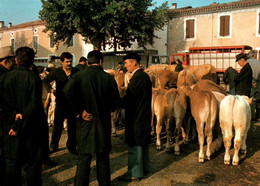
(251, 54)
(83, 59)
(133, 55)
(66, 55)
(25, 56)
(94, 57)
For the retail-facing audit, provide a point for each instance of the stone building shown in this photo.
(227, 24)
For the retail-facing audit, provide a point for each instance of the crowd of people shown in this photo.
(85, 95)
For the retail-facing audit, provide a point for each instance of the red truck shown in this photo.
(220, 57)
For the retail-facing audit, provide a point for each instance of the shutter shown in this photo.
(259, 23)
(192, 28)
(187, 29)
(227, 20)
(222, 25)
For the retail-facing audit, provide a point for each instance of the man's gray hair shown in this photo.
(250, 54)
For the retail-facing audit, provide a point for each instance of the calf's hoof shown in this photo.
(234, 163)
(208, 157)
(201, 160)
(168, 149)
(159, 147)
(243, 151)
(226, 162)
(177, 153)
(114, 135)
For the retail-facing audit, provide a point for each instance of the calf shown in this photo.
(204, 111)
(185, 78)
(167, 79)
(168, 105)
(235, 113)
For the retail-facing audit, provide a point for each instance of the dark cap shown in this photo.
(133, 55)
(240, 56)
(178, 60)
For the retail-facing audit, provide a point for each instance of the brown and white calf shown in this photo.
(235, 114)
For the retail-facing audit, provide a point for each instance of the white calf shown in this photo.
(234, 113)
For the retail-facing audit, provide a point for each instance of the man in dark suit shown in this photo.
(61, 75)
(244, 78)
(7, 62)
(99, 96)
(179, 66)
(137, 103)
(20, 93)
(82, 63)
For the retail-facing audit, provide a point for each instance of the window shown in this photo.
(52, 42)
(190, 28)
(258, 24)
(12, 43)
(224, 25)
(70, 42)
(35, 42)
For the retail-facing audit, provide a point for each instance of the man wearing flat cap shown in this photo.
(137, 103)
(243, 80)
(7, 60)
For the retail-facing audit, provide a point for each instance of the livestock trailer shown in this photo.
(221, 57)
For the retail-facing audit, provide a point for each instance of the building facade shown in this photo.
(31, 34)
(228, 24)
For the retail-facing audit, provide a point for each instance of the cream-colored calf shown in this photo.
(235, 113)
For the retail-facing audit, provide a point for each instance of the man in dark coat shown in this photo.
(229, 78)
(61, 75)
(179, 66)
(20, 92)
(82, 63)
(99, 97)
(244, 78)
(137, 103)
(7, 63)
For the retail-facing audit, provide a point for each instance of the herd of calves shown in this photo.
(204, 101)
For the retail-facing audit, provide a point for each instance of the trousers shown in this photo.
(138, 161)
(57, 130)
(102, 167)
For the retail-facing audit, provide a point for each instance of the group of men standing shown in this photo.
(86, 97)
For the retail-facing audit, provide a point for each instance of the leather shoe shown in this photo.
(49, 163)
(73, 151)
(52, 150)
(128, 178)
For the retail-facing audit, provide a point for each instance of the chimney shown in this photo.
(2, 24)
(174, 5)
(9, 24)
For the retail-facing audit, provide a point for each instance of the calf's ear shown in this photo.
(250, 100)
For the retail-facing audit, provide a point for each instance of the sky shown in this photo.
(21, 11)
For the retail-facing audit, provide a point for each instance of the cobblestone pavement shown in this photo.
(167, 168)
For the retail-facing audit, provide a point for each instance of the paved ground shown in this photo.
(167, 169)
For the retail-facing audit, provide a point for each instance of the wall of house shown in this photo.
(243, 31)
(24, 37)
